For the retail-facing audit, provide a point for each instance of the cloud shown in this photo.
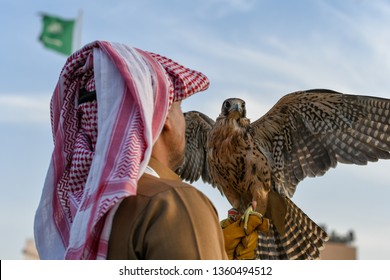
(224, 8)
(18, 108)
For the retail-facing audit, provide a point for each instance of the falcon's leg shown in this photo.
(250, 211)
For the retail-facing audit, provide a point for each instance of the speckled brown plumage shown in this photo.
(303, 135)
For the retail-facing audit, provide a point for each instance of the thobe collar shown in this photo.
(156, 167)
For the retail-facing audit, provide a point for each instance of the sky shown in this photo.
(254, 50)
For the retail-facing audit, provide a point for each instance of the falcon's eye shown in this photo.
(243, 105)
(227, 105)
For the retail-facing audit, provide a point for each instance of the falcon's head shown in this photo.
(233, 108)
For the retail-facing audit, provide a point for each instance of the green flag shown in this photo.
(57, 34)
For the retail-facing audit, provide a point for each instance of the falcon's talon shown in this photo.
(245, 217)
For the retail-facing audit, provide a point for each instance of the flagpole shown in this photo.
(77, 39)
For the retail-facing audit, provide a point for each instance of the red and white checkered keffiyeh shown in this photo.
(102, 147)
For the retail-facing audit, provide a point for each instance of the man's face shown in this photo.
(178, 140)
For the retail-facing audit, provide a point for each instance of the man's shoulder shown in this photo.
(149, 186)
(155, 192)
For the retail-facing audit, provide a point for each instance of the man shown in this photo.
(167, 219)
(110, 191)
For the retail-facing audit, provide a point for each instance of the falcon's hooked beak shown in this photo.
(234, 108)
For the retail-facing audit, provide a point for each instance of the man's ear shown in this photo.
(168, 124)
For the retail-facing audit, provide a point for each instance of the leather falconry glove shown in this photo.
(241, 244)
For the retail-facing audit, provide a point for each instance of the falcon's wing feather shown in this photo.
(308, 132)
(195, 162)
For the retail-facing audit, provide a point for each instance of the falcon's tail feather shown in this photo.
(303, 238)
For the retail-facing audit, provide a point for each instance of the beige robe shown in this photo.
(167, 219)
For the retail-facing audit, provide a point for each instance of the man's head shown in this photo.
(170, 146)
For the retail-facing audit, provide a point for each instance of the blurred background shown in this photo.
(255, 50)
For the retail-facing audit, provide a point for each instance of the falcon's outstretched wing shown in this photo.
(307, 132)
(195, 163)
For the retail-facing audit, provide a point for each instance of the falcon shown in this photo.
(260, 163)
